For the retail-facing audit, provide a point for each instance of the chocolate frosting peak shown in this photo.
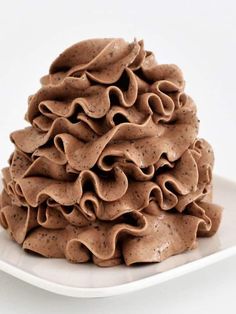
(111, 169)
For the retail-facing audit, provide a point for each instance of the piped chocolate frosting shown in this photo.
(111, 169)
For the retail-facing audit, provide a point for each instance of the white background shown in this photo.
(200, 37)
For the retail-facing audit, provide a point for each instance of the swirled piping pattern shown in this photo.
(110, 169)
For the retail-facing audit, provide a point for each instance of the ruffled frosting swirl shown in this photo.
(111, 169)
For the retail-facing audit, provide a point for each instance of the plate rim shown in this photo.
(109, 291)
(80, 292)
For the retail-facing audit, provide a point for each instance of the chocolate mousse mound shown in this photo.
(110, 169)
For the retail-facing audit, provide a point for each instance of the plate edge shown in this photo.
(119, 289)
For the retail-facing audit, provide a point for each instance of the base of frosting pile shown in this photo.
(111, 169)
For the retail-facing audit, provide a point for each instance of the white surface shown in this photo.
(207, 291)
(88, 280)
(199, 36)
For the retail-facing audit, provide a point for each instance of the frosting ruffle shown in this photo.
(111, 169)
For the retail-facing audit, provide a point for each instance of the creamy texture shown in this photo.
(111, 169)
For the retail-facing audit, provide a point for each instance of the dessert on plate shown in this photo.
(111, 169)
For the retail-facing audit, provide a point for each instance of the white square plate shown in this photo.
(88, 280)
